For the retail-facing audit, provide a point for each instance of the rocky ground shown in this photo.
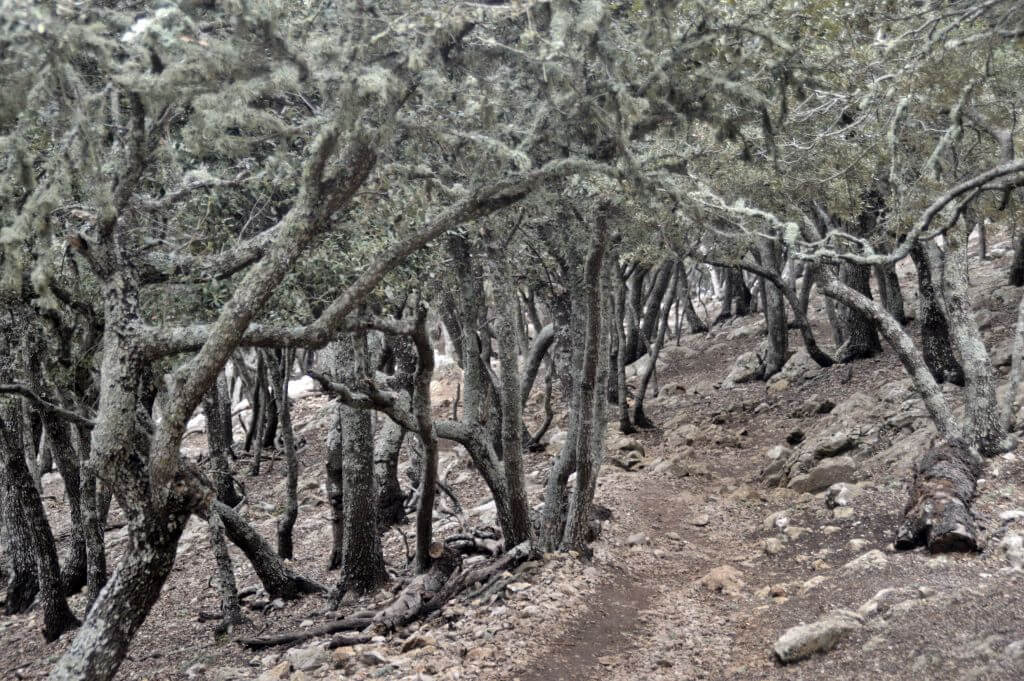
(751, 538)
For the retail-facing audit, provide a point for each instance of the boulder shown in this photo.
(838, 494)
(723, 579)
(804, 640)
(746, 368)
(305, 659)
(872, 560)
(812, 406)
(626, 453)
(797, 370)
(824, 475)
(832, 444)
(856, 408)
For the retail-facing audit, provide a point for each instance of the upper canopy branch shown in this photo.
(159, 341)
(44, 404)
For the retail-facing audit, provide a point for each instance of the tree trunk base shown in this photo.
(22, 588)
(424, 595)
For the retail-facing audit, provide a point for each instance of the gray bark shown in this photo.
(984, 429)
(935, 340)
(231, 611)
(279, 370)
(362, 559)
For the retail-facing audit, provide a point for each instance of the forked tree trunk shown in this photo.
(653, 350)
(516, 524)
(590, 441)
(558, 530)
(18, 484)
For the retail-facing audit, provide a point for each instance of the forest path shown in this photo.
(651, 611)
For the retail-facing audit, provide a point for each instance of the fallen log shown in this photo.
(938, 513)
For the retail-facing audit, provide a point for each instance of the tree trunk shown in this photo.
(102, 642)
(1017, 358)
(517, 523)
(335, 466)
(903, 345)
(22, 583)
(362, 559)
(935, 341)
(693, 320)
(74, 575)
(217, 405)
(390, 497)
(280, 370)
(861, 338)
(727, 296)
(591, 392)
(1016, 277)
(774, 311)
(18, 484)
(619, 314)
(95, 551)
(277, 578)
(653, 350)
(985, 429)
(890, 292)
(428, 462)
(230, 608)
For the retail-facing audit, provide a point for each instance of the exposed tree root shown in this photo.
(423, 595)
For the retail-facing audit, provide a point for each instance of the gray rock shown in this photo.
(804, 640)
(814, 405)
(872, 560)
(838, 494)
(638, 539)
(305, 659)
(798, 369)
(746, 368)
(832, 445)
(228, 674)
(824, 475)
(1012, 547)
(856, 408)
